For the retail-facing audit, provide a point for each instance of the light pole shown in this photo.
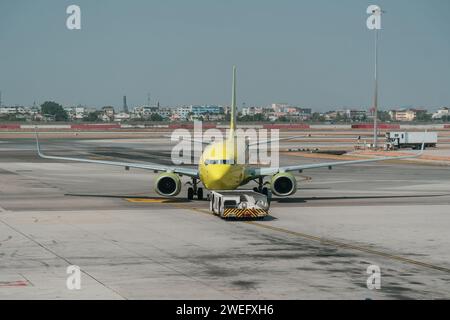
(374, 23)
(375, 96)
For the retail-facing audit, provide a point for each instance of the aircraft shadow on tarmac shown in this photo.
(266, 218)
(166, 200)
(278, 200)
(303, 199)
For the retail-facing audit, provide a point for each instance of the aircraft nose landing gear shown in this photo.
(194, 190)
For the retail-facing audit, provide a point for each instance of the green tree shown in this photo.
(383, 115)
(445, 118)
(53, 109)
(156, 117)
(244, 118)
(12, 117)
(260, 117)
(283, 119)
(91, 116)
(346, 118)
(317, 117)
(423, 116)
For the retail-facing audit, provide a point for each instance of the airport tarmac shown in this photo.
(132, 244)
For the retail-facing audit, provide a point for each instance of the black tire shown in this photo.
(269, 196)
(211, 204)
(256, 189)
(265, 191)
(190, 193)
(200, 193)
(220, 211)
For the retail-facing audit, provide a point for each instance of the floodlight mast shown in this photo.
(375, 95)
(374, 23)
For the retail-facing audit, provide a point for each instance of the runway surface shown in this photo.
(132, 244)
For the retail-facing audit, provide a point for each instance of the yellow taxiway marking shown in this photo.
(334, 243)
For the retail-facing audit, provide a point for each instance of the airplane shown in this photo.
(218, 168)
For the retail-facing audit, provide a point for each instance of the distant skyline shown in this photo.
(314, 54)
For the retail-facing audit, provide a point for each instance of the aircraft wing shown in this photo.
(273, 140)
(155, 167)
(189, 139)
(275, 170)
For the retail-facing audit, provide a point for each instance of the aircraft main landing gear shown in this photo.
(262, 189)
(194, 190)
(190, 193)
(260, 186)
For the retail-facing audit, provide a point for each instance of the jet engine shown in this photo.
(168, 184)
(283, 184)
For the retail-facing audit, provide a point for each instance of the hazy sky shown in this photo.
(309, 53)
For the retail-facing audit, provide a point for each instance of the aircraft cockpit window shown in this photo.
(221, 161)
(209, 161)
(228, 161)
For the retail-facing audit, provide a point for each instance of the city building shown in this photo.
(305, 111)
(206, 109)
(356, 115)
(405, 115)
(13, 110)
(337, 114)
(226, 109)
(251, 111)
(197, 111)
(182, 113)
(125, 106)
(279, 107)
(298, 114)
(122, 116)
(442, 112)
(77, 113)
(107, 113)
(165, 113)
(144, 112)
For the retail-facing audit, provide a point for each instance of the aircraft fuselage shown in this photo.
(218, 167)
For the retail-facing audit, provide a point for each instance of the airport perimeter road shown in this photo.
(132, 244)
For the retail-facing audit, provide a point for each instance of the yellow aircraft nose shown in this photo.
(218, 172)
(222, 177)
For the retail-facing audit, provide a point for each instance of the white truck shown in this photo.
(239, 204)
(414, 140)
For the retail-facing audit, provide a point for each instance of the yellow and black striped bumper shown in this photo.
(244, 213)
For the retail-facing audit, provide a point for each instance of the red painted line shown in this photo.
(95, 126)
(19, 283)
(286, 126)
(9, 126)
(379, 126)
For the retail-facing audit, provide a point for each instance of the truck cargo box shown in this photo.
(403, 139)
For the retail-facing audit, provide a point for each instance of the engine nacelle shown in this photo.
(283, 184)
(168, 184)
